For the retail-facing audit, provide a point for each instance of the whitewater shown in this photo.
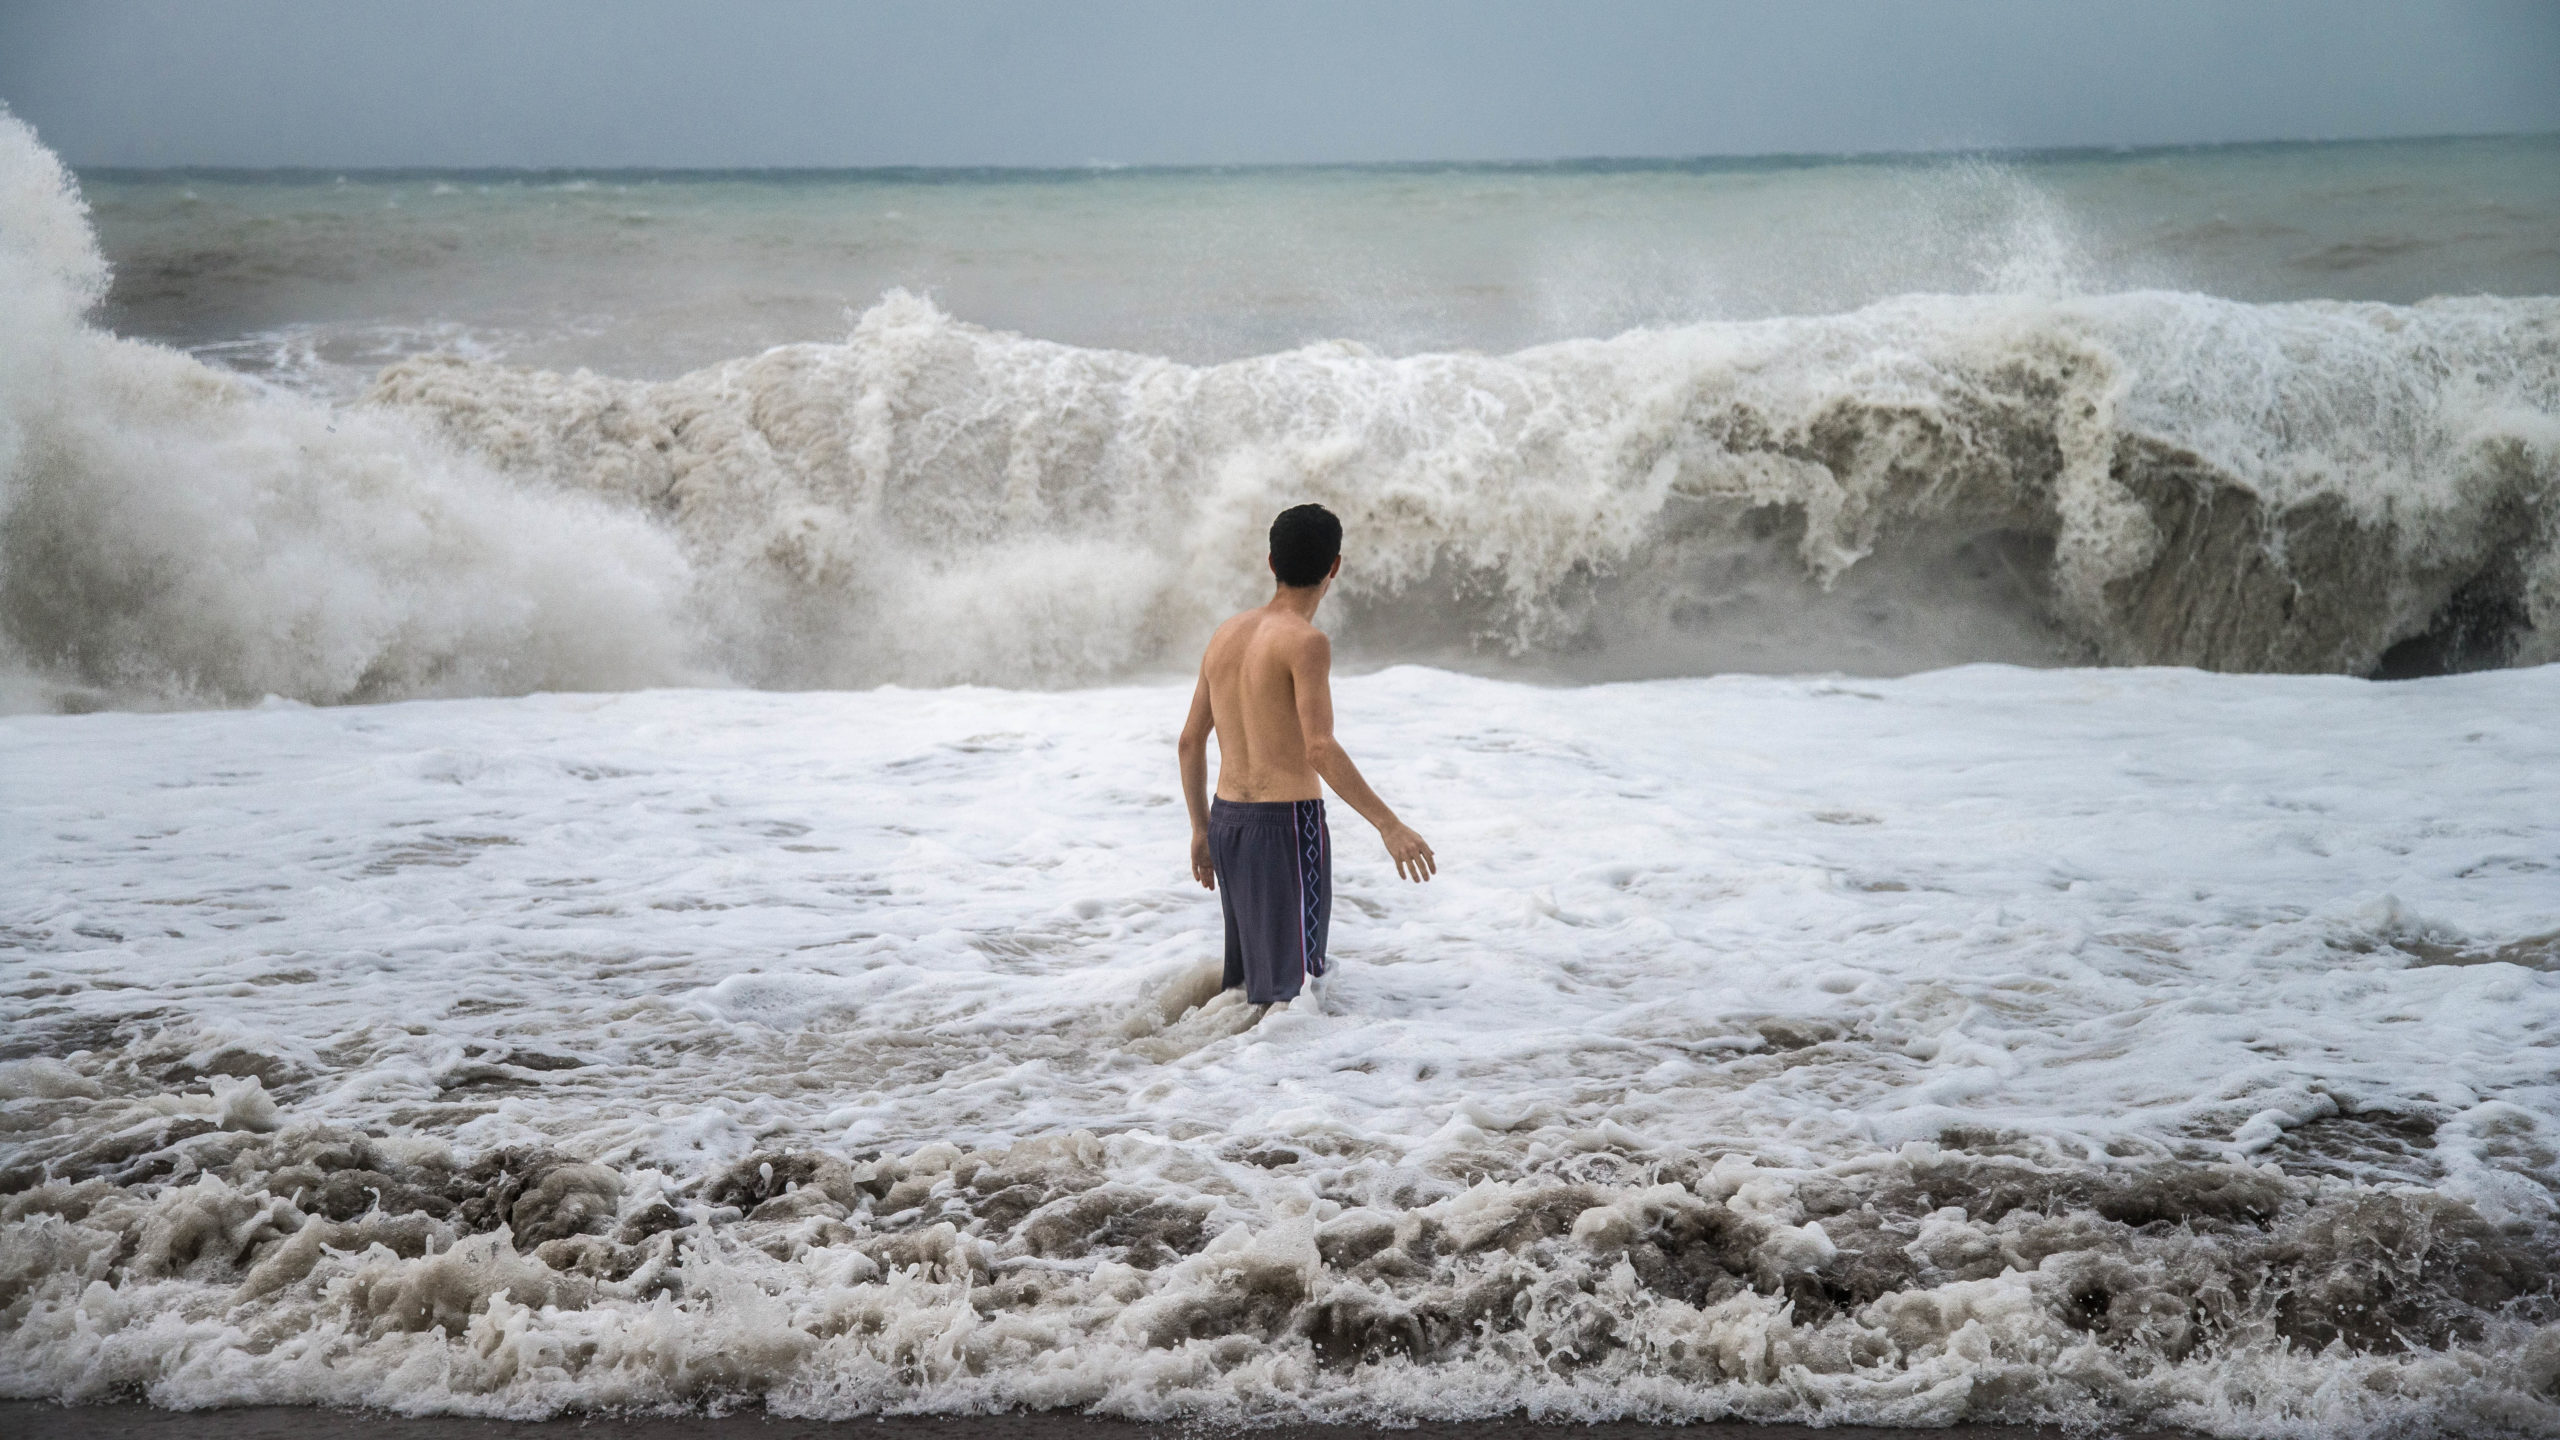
(541, 887)
(1991, 1043)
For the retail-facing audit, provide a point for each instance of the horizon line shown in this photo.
(1102, 167)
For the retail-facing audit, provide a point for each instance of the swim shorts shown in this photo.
(1275, 883)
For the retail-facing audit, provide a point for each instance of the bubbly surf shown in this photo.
(2102, 1046)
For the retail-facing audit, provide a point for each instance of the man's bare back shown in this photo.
(1250, 671)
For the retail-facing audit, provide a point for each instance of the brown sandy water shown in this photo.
(36, 1421)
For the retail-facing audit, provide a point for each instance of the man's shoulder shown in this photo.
(1284, 627)
(1301, 643)
(1269, 631)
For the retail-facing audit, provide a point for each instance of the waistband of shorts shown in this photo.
(1223, 811)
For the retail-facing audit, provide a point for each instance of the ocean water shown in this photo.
(2266, 409)
(591, 823)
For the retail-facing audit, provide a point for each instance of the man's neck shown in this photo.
(1298, 600)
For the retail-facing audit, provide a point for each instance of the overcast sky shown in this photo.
(342, 83)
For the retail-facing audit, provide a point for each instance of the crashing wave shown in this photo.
(171, 533)
(2147, 478)
(2134, 479)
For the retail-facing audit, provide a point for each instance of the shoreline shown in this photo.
(46, 1420)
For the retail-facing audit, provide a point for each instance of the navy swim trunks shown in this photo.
(1275, 883)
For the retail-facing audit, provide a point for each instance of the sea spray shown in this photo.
(173, 534)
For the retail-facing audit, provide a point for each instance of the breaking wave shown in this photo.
(2146, 478)
(173, 534)
(2132, 479)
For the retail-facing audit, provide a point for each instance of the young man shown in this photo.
(1266, 687)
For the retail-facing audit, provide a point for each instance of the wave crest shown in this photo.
(2138, 479)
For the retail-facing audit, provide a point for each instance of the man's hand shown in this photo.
(1202, 868)
(1412, 856)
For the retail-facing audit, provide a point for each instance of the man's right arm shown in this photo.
(1193, 747)
(1312, 671)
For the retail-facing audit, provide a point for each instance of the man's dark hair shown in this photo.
(1304, 541)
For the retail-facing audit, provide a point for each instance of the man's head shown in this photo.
(1306, 541)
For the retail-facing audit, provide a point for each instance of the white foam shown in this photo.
(1721, 959)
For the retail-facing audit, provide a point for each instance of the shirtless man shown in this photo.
(1266, 688)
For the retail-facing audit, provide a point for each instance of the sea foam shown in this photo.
(2109, 1046)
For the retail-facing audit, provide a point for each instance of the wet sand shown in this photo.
(27, 1420)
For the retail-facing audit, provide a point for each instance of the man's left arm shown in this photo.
(1311, 670)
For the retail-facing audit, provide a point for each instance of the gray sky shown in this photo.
(346, 83)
